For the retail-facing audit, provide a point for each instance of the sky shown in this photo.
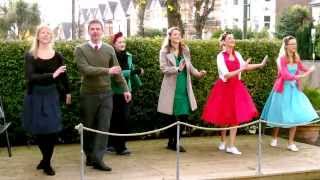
(54, 12)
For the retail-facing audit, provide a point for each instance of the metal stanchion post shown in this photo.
(178, 151)
(259, 154)
(82, 153)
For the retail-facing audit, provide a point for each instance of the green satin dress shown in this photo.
(181, 104)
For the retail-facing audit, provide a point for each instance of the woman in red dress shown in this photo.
(229, 102)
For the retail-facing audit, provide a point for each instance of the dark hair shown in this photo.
(116, 36)
(224, 35)
(223, 38)
(181, 44)
(95, 21)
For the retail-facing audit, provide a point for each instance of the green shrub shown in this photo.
(314, 97)
(146, 53)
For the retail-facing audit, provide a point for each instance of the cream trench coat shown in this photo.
(168, 86)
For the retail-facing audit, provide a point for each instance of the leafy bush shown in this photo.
(314, 97)
(146, 53)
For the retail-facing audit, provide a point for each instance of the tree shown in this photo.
(293, 19)
(202, 11)
(174, 15)
(141, 12)
(297, 21)
(19, 19)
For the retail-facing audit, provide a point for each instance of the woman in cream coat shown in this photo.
(176, 99)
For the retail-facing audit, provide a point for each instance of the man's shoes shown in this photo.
(41, 165)
(110, 149)
(89, 162)
(100, 165)
(174, 148)
(124, 152)
(49, 171)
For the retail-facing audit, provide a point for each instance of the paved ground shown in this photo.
(151, 161)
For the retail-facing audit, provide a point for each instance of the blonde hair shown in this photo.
(295, 56)
(35, 43)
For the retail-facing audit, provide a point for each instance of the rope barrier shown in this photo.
(219, 129)
(81, 128)
(197, 127)
(131, 134)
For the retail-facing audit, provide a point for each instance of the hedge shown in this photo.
(143, 110)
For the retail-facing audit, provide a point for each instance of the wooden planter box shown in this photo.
(308, 134)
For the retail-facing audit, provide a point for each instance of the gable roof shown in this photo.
(125, 5)
(102, 8)
(67, 29)
(112, 6)
(85, 14)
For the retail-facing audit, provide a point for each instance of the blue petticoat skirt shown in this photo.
(41, 113)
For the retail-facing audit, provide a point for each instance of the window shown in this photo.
(235, 2)
(266, 18)
(267, 0)
(267, 22)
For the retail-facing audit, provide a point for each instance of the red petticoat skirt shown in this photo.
(228, 104)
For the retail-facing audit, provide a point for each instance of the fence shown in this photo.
(81, 129)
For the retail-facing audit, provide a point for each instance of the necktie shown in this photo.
(96, 47)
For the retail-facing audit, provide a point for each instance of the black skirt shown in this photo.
(41, 113)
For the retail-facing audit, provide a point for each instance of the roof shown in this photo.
(112, 6)
(67, 29)
(102, 8)
(85, 13)
(125, 4)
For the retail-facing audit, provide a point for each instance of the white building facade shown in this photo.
(261, 14)
(315, 9)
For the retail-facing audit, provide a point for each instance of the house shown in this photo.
(116, 15)
(156, 15)
(63, 31)
(262, 14)
(315, 9)
(187, 13)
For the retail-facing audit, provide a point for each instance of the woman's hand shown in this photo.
(202, 73)
(141, 71)
(264, 61)
(182, 65)
(246, 65)
(59, 71)
(68, 99)
(312, 68)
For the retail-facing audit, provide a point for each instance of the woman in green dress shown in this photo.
(176, 99)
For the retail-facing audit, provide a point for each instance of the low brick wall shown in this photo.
(313, 80)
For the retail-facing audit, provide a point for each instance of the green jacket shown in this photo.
(132, 80)
(93, 66)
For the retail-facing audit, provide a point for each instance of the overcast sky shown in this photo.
(54, 12)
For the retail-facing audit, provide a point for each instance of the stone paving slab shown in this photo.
(151, 161)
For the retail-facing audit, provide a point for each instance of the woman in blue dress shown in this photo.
(287, 105)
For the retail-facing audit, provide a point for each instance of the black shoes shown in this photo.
(101, 166)
(111, 149)
(89, 162)
(41, 165)
(124, 152)
(47, 169)
(174, 148)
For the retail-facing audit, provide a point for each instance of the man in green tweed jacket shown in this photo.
(97, 62)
